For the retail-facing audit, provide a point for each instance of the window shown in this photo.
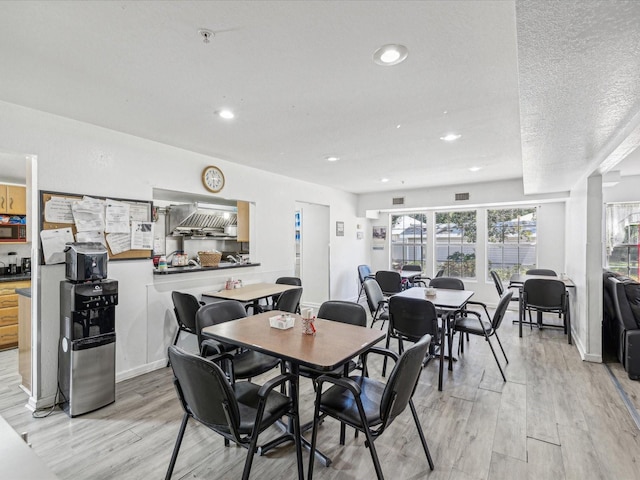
(456, 243)
(622, 239)
(408, 240)
(511, 241)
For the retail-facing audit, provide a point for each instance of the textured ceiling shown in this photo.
(300, 78)
(579, 70)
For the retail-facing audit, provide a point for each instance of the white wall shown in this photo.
(628, 190)
(79, 158)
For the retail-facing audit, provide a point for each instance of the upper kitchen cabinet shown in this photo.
(13, 199)
(243, 221)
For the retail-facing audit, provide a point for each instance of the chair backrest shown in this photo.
(216, 313)
(542, 271)
(412, 317)
(185, 306)
(390, 281)
(344, 312)
(440, 273)
(497, 282)
(451, 283)
(204, 390)
(501, 309)
(288, 300)
(289, 281)
(363, 272)
(403, 380)
(410, 267)
(544, 293)
(621, 305)
(373, 293)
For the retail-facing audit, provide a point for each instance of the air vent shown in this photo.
(462, 196)
(397, 201)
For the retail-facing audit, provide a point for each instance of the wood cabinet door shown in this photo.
(243, 221)
(4, 205)
(16, 200)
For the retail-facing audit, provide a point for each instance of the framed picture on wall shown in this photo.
(339, 229)
(379, 234)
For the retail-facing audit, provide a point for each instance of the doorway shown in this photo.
(17, 178)
(312, 252)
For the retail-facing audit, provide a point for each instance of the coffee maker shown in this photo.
(25, 264)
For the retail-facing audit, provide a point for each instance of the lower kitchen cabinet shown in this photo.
(9, 313)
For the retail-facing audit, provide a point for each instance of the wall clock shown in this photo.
(213, 179)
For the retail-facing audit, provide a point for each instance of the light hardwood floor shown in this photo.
(556, 417)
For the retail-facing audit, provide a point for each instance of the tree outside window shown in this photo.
(456, 243)
(511, 240)
(623, 239)
(408, 240)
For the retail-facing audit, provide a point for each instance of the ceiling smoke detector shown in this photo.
(206, 35)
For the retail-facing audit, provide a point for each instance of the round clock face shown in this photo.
(213, 179)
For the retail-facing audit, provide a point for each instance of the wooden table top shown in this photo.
(252, 292)
(444, 297)
(333, 344)
(519, 279)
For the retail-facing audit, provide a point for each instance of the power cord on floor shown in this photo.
(37, 413)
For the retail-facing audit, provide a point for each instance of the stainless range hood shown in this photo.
(202, 219)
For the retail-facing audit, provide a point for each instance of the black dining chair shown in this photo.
(541, 271)
(409, 320)
(343, 312)
(369, 405)
(244, 363)
(543, 295)
(497, 281)
(295, 281)
(474, 324)
(417, 280)
(390, 282)
(364, 272)
(185, 307)
(288, 301)
(238, 412)
(378, 305)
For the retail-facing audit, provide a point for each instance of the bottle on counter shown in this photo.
(162, 264)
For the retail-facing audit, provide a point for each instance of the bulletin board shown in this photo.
(142, 208)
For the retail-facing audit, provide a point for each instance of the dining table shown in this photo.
(446, 300)
(250, 294)
(331, 346)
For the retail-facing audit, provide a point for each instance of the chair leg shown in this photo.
(314, 435)
(496, 357)
(343, 431)
(374, 454)
(420, 432)
(249, 460)
(176, 448)
(500, 343)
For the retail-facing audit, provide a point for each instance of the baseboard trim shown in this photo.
(147, 368)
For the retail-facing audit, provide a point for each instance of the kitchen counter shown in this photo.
(193, 268)
(15, 278)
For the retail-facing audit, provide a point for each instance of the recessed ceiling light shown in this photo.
(332, 158)
(226, 114)
(388, 55)
(474, 169)
(398, 126)
(384, 180)
(450, 137)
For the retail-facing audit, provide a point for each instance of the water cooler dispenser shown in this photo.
(87, 353)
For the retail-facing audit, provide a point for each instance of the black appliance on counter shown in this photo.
(87, 352)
